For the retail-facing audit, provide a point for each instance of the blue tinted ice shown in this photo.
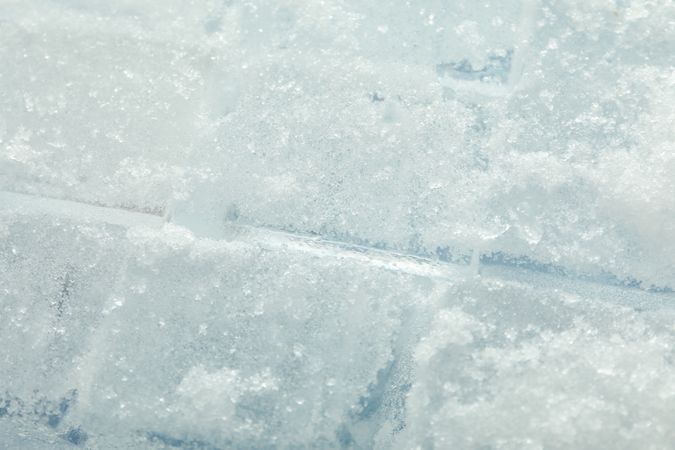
(496, 70)
(337, 224)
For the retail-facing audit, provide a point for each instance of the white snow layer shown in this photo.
(337, 224)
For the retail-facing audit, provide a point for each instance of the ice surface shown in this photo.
(337, 224)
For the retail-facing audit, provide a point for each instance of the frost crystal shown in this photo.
(337, 224)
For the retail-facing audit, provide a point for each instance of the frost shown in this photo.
(337, 224)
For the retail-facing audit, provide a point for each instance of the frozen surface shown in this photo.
(337, 224)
